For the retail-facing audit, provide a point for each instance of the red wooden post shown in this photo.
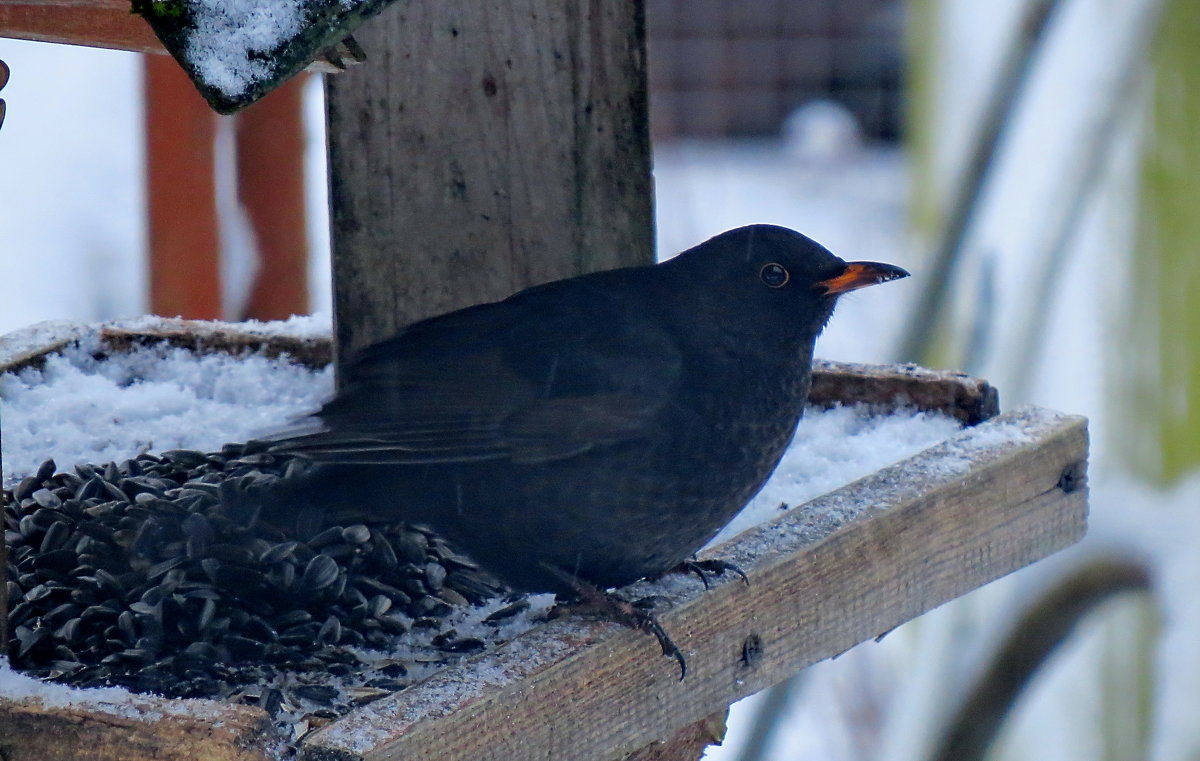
(180, 196)
(270, 169)
(184, 241)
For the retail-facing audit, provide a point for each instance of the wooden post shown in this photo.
(185, 277)
(184, 244)
(270, 179)
(482, 148)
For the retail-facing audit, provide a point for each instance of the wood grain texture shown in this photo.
(29, 347)
(688, 743)
(483, 148)
(94, 23)
(141, 729)
(846, 567)
(970, 400)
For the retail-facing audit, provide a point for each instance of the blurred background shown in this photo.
(1035, 163)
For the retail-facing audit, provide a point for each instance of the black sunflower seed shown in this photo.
(356, 534)
(186, 458)
(321, 572)
(243, 648)
(26, 488)
(507, 612)
(292, 618)
(45, 471)
(278, 552)
(318, 693)
(330, 631)
(46, 498)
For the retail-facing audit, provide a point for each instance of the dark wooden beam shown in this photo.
(485, 147)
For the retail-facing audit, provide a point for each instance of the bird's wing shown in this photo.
(530, 379)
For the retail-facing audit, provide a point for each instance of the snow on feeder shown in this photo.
(406, 648)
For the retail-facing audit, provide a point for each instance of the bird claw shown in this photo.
(669, 648)
(651, 602)
(634, 615)
(703, 568)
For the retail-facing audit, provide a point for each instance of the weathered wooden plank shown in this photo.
(971, 400)
(484, 148)
(132, 728)
(31, 346)
(832, 573)
(94, 23)
(688, 743)
(841, 569)
(311, 352)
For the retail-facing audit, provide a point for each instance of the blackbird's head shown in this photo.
(773, 275)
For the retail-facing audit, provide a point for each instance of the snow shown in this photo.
(228, 34)
(79, 409)
(317, 325)
(232, 40)
(114, 701)
(834, 447)
(449, 689)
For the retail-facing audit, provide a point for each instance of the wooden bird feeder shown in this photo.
(489, 146)
(290, 37)
(842, 569)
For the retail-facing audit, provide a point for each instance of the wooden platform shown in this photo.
(841, 569)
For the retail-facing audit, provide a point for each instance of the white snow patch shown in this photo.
(317, 325)
(834, 447)
(115, 701)
(449, 690)
(79, 409)
(233, 39)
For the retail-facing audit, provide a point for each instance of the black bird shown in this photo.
(597, 429)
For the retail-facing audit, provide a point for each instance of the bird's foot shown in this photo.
(651, 602)
(635, 615)
(715, 566)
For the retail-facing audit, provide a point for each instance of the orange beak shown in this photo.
(860, 275)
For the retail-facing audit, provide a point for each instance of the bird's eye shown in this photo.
(774, 275)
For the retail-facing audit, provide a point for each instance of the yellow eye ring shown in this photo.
(774, 275)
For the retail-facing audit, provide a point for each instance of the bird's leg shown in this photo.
(703, 568)
(594, 599)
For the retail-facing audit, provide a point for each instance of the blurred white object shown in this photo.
(821, 131)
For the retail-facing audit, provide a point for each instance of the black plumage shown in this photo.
(602, 427)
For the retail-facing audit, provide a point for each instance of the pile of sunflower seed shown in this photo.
(155, 574)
